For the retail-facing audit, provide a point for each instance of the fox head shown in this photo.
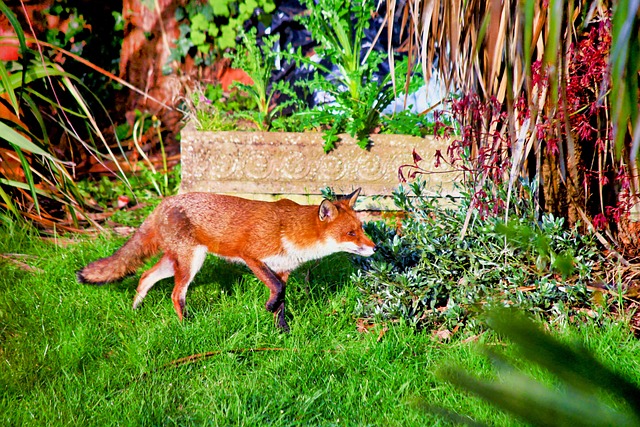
(343, 226)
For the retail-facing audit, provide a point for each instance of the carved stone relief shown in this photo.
(266, 164)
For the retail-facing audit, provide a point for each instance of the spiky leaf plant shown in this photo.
(47, 128)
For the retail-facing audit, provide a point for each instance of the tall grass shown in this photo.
(47, 117)
(52, 127)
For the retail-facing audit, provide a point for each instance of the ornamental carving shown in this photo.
(265, 164)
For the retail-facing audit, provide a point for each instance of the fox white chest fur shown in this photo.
(295, 256)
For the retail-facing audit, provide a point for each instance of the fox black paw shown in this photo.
(283, 327)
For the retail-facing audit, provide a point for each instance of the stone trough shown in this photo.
(272, 165)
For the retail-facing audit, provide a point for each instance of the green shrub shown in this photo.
(427, 274)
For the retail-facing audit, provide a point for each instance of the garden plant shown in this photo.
(344, 90)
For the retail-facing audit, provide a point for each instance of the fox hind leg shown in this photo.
(185, 270)
(162, 270)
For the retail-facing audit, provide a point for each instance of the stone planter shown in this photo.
(271, 165)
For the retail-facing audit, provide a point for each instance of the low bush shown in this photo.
(427, 274)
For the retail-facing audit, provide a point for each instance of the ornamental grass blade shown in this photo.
(8, 203)
(8, 89)
(575, 398)
(528, 9)
(574, 365)
(538, 404)
(13, 20)
(552, 45)
(26, 167)
(36, 95)
(18, 140)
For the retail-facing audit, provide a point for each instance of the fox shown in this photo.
(271, 238)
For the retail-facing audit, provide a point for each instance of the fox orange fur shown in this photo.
(271, 238)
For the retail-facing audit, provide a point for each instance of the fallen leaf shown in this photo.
(382, 332)
(472, 338)
(13, 259)
(364, 325)
(443, 335)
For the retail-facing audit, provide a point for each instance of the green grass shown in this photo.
(75, 354)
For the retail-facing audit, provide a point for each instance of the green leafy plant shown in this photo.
(427, 274)
(217, 110)
(258, 62)
(357, 97)
(231, 102)
(144, 185)
(406, 122)
(73, 38)
(212, 26)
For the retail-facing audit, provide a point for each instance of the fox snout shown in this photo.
(366, 247)
(367, 250)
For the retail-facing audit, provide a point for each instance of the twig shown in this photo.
(202, 356)
(194, 358)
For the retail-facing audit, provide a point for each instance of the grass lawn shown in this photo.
(75, 354)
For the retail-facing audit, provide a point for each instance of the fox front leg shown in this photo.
(278, 314)
(276, 285)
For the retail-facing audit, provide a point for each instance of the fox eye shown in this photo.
(351, 233)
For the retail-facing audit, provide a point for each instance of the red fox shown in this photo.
(271, 238)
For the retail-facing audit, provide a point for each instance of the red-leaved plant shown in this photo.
(572, 135)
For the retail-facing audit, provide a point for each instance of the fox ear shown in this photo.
(327, 210)
(353, 197)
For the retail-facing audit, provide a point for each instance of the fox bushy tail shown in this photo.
(125, 261)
